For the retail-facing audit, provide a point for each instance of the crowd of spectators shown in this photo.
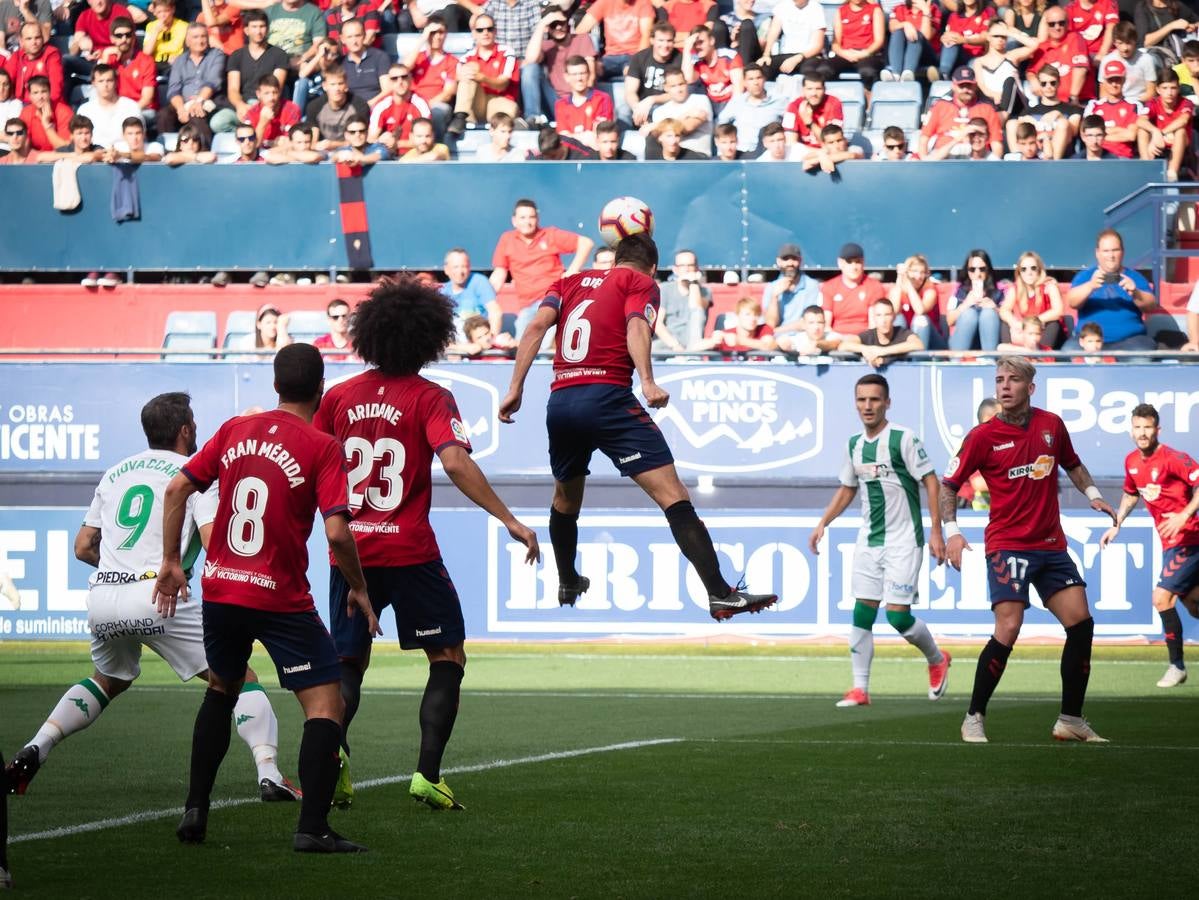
(690, 79)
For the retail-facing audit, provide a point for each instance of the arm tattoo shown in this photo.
(947, 504)
(1081, 477)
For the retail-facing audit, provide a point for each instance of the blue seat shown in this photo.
(634, 142)
(186, 341)
(306, 325)
(904, 114)
(852, 95)
(224, 145)
(897, 90)
(401, 46)
(238, 324)
(938, 90)
(459, 43)
(192, 322)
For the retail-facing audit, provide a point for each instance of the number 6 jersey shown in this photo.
(390, 427)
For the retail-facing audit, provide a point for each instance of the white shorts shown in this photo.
(886, 574)
(122, 618)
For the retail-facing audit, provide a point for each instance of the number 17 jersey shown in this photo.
(594, 309)
(390, 427)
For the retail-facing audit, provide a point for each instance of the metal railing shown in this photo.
(1161, 199)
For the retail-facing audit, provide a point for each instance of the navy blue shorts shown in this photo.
(299, 644)
(1180, 570)
(426, 606)
(604, 417)
(1010, 573)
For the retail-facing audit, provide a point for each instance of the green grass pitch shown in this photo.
(640, 772)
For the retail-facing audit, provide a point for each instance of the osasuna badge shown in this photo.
(1048, 436)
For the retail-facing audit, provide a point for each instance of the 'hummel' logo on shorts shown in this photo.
(291, 670)
(428, 632)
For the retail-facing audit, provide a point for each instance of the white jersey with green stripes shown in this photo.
(127, 508)
(888, 469)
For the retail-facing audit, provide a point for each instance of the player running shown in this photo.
(276, 470)
(1018, 453)
(392, 422)
(606, 324)
(886, 563)
(1166, 478)
(121, 536)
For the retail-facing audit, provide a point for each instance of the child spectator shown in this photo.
(480, 339)
(1027, 339)
(1090, 341)
(815, 339)
(748, 332)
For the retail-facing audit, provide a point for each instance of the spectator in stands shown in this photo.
(424, 144)
(687, 15)
(692, 111)
(16, 13)
(719, 71)
(1034, 293)
(48, 121)
(728, 31)
(725, 139)
(949, 119)
(392, 118)
(16, 133)
(471, 292)
(746, 333)
(195, 90)
(886, 341)
(964, 37)
(785, 299)
(1091, 342)
(847, 299)
(583, 107)
(417, 15)
(35, 59)
(809, 113)
(859, 32)
(10, 106)
(81, 149)
(311, 70)
(341, 12)
(133, 146)
(895, 146)
(977, 135)
(1027, 339)
(1024, 16)
(1056, 123)
(555, 147)
(665, 142)
(222, 18)
(605, 259)
(434, 72)
(531, 254)
(798, 26)
(813, 338)
(1113, 296)
(249, 146)
(365, 66)
(752, 109)
(1124, 120)
(915, 27)
(1140, 72)
(1093, 135)
(192, 147)
(334, 109)
(834, 150)
(683, 314)
(93, 35)
(360, 152)
(973, 311)
(1026, 147)
(774, 144)
(607, 143)
(270, 330)
(1064, 52)
(645, 79)
(1169, 117)
(998, 67)
(299, 146)
(338, 336)
(488, 80)
(543, 75)
(297, 28)
(137, 75)
(271, 116)
(515, 22)
(166, 36)
(107, 109)
(478, 337)
(1166, 26)
(626, 29)
(501, 148)
(1095, 22)
(914, 299)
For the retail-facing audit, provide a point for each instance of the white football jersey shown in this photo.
(890, 468)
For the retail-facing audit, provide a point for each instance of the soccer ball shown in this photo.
(623, 217)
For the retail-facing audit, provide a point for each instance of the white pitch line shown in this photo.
(1047, 745)
(153, 815)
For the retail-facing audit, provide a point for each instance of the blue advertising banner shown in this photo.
(641, 585)
(727, 420)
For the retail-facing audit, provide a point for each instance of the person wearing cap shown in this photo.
(683, 316)
(1140, 79)
(949, 119)
(785, 299)
(1125, 121)
(270, 331)
(1094, 21)
(1064, 52)
(965, 37)
(847, 298)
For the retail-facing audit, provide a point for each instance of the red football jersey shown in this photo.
(716, 75)
(1117, 114)
(828, 113)
(593, 313)
(857, 25)
(1091, 23)
(287, 115)
(1161, 117)
(276, 471)
(971, 26)
(584, 117)
(1166, 481)
(1066, 56)
(136, 75)
(498, 65)
(397, 116)
(391, 426)
(1020, 468)
(429, 77)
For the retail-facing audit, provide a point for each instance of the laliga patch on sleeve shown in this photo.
(459, 430)
(651, 314)
(953, 466)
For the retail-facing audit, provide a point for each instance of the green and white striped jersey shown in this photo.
(888, 468)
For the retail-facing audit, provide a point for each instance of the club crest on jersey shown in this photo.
(1151, 492)
(1037, 470)
(1153, 474)
(1048, 436)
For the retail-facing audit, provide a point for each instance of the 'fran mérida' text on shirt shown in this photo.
(268, 450)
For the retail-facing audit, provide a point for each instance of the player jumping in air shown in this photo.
(275, 470)
(890, 460)
(1018, 453)
(1166, 479)
(122, 536)
(605, 325)
(392, 422)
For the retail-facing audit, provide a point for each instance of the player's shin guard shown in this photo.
(693, 539)
(991, 663)
(1172, 629)
(861, 644)
(1076, 666)
(78, 708)
(258, 727)
(351, 694)
(210, 743)
(318, 769)
(564, 537)
(438, 711)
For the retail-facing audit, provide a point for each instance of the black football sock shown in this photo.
(991, 663)
(1076, 666)
(351, 693)
(693, 539)
(1172, 629)
(438, 710)
(210, 743)
(3, 816)
(319, 766)
(564, 537)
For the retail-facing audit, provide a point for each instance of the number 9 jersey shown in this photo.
(594, 309)
(391, 426)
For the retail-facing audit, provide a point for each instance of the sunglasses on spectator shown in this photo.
(20, 132)
(188, 139)
(1049, 82)
(1056, 23)
(355, 131)
(400, 76)
(559, 24)
(242, 138)
(1030, 268)
(976, 268)
(977, 134)
(119, 35)
(895, 146)
(485, 29)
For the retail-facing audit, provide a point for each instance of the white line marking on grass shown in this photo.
(153, 815)
(1048, 745)
(728, 657)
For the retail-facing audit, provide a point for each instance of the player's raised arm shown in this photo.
(172, 583)
(530, 346)
(469, 478)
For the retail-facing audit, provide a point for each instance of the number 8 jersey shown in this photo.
(594, 309)
(391, 426)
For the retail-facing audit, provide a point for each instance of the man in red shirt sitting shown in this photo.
(718, 70)
(807, 115)
(1125, 120)
(578, 113)
(488, 80)
(1169, 117)
(35, 58)
(1066, 52)
(392, 117)
(270, 118)
(949, 119)
(848, 297)
(137, 76)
